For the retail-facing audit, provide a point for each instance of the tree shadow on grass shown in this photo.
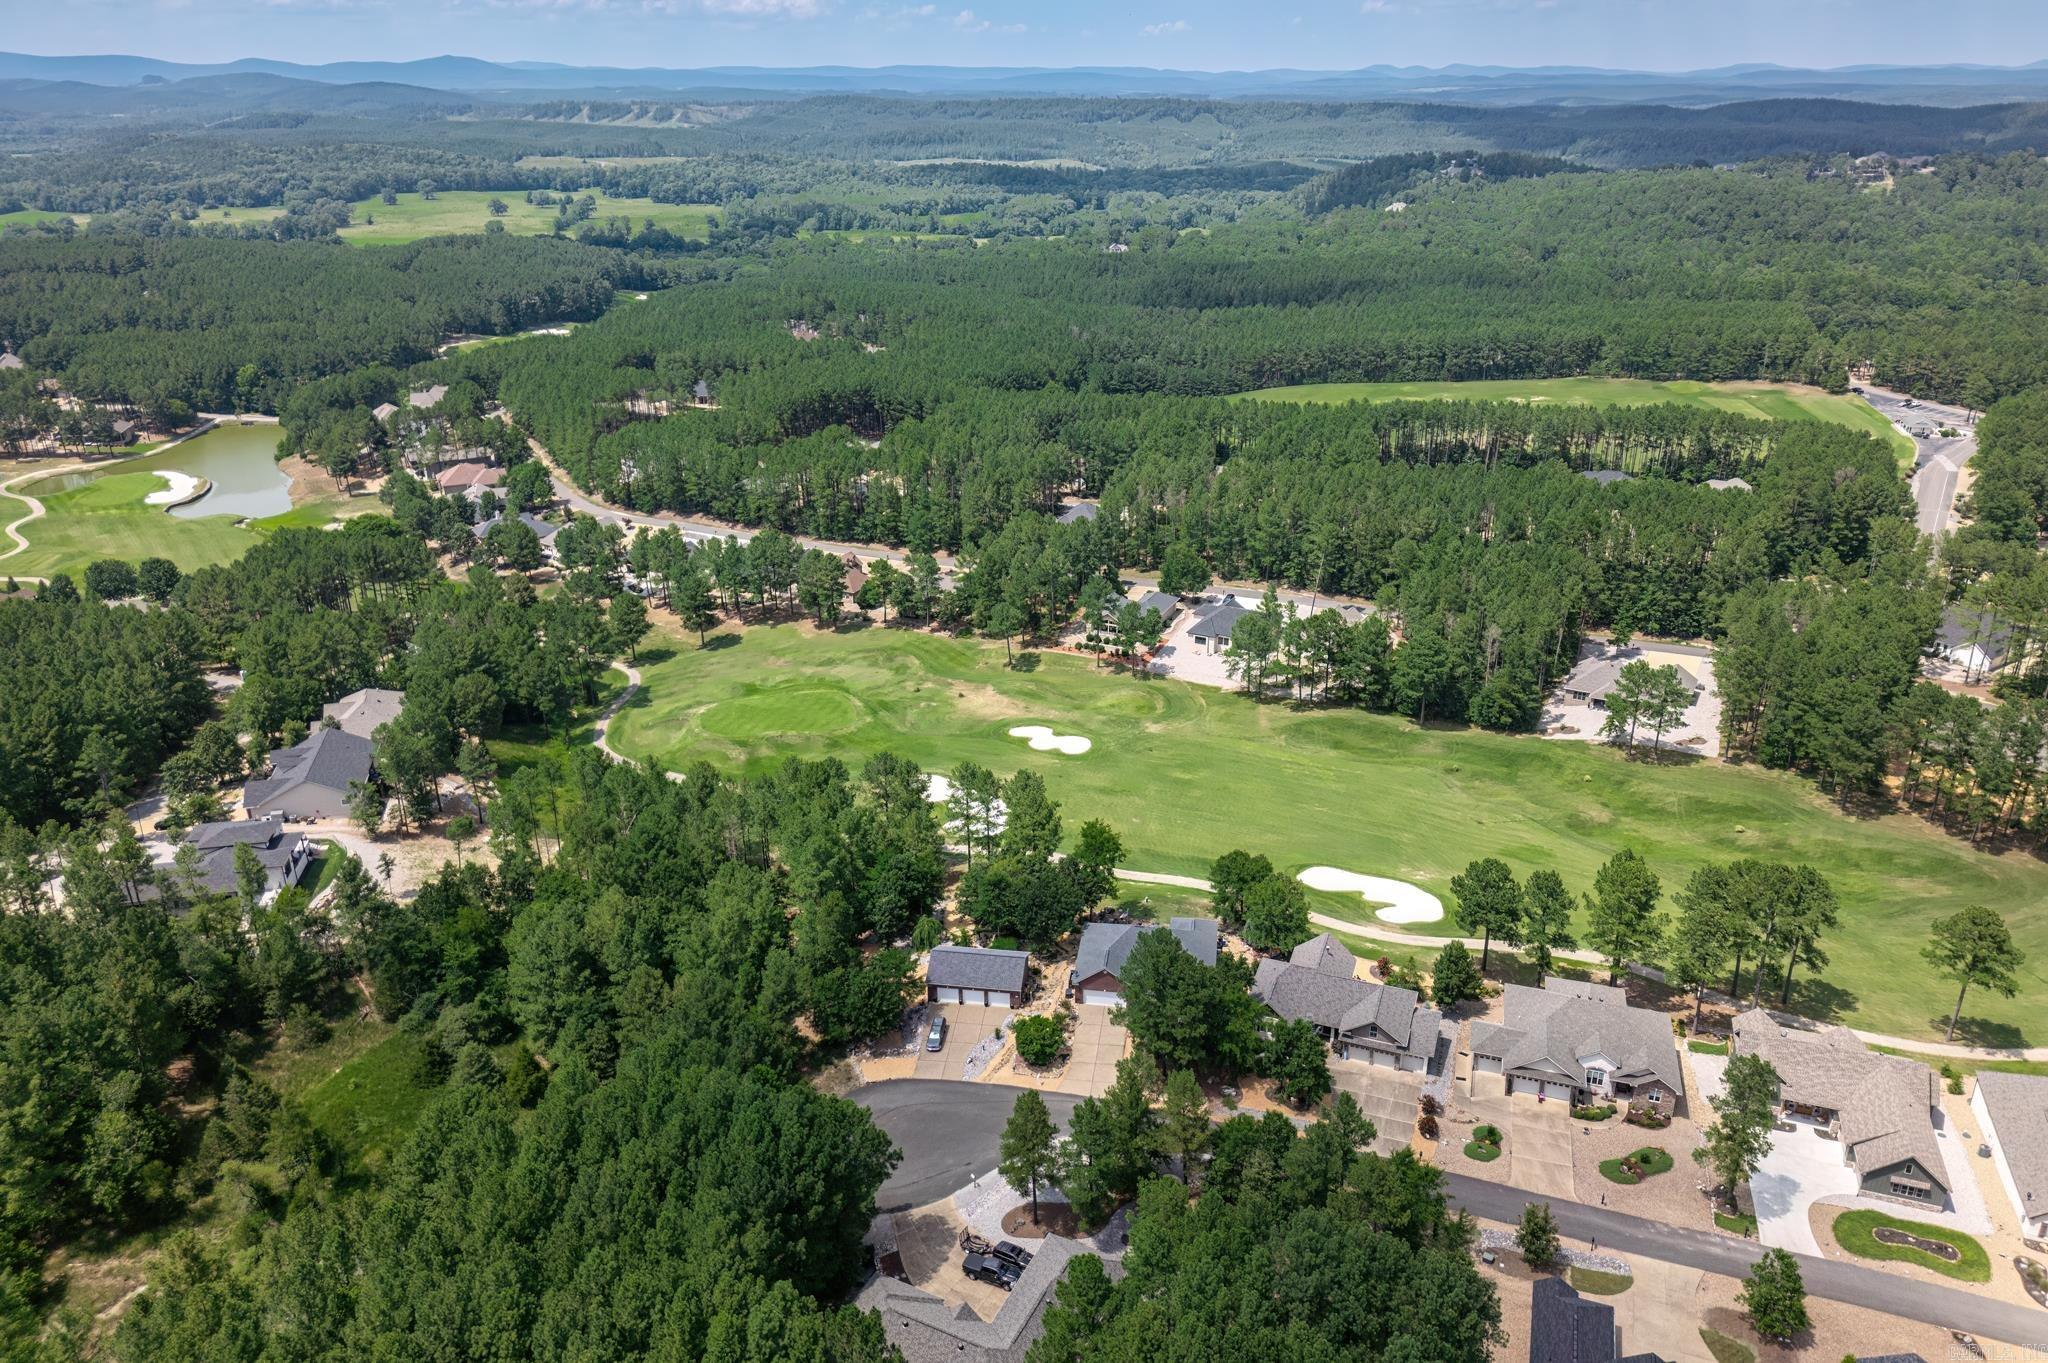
(1026, 661)
(1981, 1031)
(718, 642)
(1815, 998)
(852, 624)
(654, 657)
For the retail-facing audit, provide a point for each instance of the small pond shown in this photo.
(239, 461)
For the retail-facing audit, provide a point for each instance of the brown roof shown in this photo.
(469, 475)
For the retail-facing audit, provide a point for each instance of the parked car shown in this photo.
(989, 1269)
(935, 1039)
(1010, 1252)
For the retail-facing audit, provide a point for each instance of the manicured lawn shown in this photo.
(1485, 1154)
(467, 210)
(1742, 1223)
(1961, 1066)
(1185, 772)
(1853, 1232)
(106, 518)
(1775, 401)
(1725, 1349)
(1707, 1047)
(1597, 1284)
(1652, 1160)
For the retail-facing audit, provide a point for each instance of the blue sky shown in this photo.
(1188, 34)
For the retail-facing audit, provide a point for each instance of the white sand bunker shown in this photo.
(1405, 903)
(182, 486)
(938, 788)
(1043, 739)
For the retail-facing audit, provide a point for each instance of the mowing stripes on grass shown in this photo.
(1725, 1349)
(1594, 1283)
(1342, 788)
(1853, 1232)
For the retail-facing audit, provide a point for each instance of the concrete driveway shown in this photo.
(966, 1025)
(1094, 1047)
(1387, 1096)
(1803, 1167)
(1539, 1140)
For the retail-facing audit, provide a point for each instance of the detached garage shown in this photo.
(978, 976)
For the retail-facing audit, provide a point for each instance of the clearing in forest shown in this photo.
(467, 210)
(1772, 401)
(1186, 772)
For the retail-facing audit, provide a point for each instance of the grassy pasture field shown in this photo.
(106, 518)
(467, 210)
(36, 217)
(1772, 401)
(1185, 772)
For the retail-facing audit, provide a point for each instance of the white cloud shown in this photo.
(967, 21)
(1162, 30)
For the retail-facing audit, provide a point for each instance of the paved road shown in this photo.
(1948, 1307)
(1938, 460)
(950, 1132)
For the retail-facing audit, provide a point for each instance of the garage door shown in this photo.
(1101, 996)
(1559, 1092)
(948, 995)
(1486, 1064)
(976, 996)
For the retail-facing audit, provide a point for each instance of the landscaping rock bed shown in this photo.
(984, 1051)
(1503, 1242)
(2033, 1277)
(1886, 1235)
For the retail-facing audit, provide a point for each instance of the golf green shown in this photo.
(1185, 773)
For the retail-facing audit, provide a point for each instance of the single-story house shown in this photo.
(1606, 476)
(364, 712)
(1590, 682)
(1565, 1327)
(311, 779)
(1079, 511)
(384, 411)
(980, 975)
(1880, 1107)
(467, 477)
(1106, 946)
(284, 856)
(700, 393)
(1973, 640)
(928, 1328)
(2014, 1111)
(127, 431)
(1210, 629)
(1166, 603)
(546, 530)
(1730, 485)
(427, 397)
(10, 360)
(1377, 1023)
(1577, 1042)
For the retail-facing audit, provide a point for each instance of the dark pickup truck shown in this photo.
(989, 1269)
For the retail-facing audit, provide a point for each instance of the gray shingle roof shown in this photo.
(1167, 604)
(1079, 511)
(1606, 476)
(1566, 1328)
(216, 843)
(1106, 946)
(1730, 485)
(1884, 1102)
(1595, 677)
(330, 758)
(1325, 953)
(1549, 1029)
(978, 968)
(1963, 625)
(363, 712)
(427, 397)
(1215, 621)
(2018, 1104)
(1355, 1009)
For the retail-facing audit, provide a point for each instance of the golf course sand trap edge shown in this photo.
(183, 487)
(1043, 739)
(1405, 903)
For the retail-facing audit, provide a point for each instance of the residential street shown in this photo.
(1938, 465)
(949, 1133)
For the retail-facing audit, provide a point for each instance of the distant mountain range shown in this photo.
(1952, 85)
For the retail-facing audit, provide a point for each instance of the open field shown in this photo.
(1185, 772)
(467, 210)
(32, 217)
(1772, 401)
(106, 518)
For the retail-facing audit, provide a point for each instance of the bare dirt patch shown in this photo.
(1054, 1218)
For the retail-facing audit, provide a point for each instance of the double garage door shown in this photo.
(1105, 998)
(1559, 1092)
(975, 996)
